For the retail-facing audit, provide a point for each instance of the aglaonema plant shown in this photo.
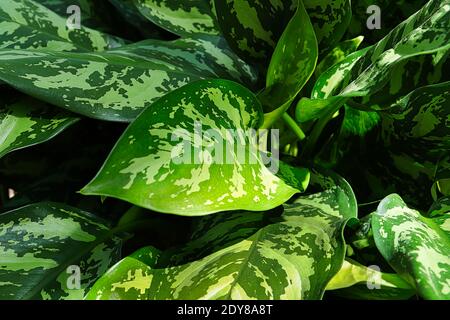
(224, 150)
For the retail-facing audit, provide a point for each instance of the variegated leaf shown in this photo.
(441, 207)
(418, 248)
(367, 71)
(117, 86)
(292, 256)
(183, 18)
(296, 177)
(25, 24)
(205, 55)
(356, 281)
(330, 19)
(250, 27)
(420, 120)
(292, 64)
(338, 53)
(253, 28)
(38, 244)
(172, 156)
(335, 193)
(28, 122)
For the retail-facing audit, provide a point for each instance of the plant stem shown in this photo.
(294, 126)
(320, 125)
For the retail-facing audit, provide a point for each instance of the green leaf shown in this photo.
(292, 257)
(330, 19)
(338, 53)
(334, 189)
(117, 86)
(253, 27)
(441, 207)
(39, 242)
(205, 55)
(358, 123)
(420, 120)
(367, 71)
(25, 24)
(179, 148)
(183, 18)
(292, 64)
(360, 282)
(29, 122)
(295, 177)
(416, 247)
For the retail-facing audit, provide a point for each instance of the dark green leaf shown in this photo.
(28, 122)
(38, 244)
(25, 24)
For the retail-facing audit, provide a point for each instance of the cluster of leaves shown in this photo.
(148, 227)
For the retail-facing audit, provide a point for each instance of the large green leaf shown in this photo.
(367, 71)
(183, 18)
(216, 122)
(118, 85)
(416, 247)
(39, 242)
(292, 64)
(25, 24)
(243, 255)
(28, 122)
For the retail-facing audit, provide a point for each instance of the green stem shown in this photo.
(294, 126)
(320, 125)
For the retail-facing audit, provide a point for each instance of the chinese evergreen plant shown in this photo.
(94, 206)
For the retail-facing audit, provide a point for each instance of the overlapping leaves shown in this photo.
(38, 244)
(366, 71)
(253, 28)
(118, 85)
(243, 255)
